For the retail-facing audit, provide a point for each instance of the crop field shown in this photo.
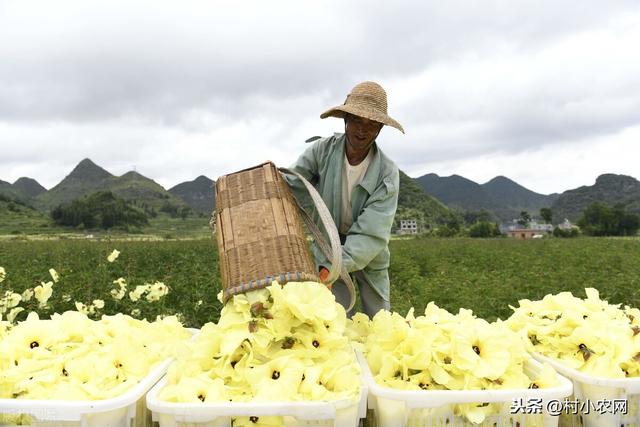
(485, 275)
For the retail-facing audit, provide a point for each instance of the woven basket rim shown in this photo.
(253, 285)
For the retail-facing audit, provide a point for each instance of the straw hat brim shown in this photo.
(341, 110)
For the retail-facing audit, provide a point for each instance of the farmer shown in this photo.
(359, 184)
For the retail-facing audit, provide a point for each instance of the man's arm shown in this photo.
(308, 165)
(371, 231)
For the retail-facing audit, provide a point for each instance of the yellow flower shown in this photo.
(138, 292)
(54, 275)
(82, 308)
(156, 291)
(261, 421)
(194, 390)
(113, 255)
(476, 412)
(43, 292)
(480, 348)
(547, 378)
(306, 300)
(358, 327)
(11, 299)
(98, 303)
(276, 380)
(263, 348)
(27, 294)
(72, 357)
(119, 293)
(587, 334)
(3, 274)
(11, 317)
(135, 312)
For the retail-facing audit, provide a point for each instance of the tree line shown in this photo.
(102, 209)
(598, 219)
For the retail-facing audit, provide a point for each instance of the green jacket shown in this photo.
(374, 204)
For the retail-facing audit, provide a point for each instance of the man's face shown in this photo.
(361, 132)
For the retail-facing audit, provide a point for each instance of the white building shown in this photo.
(408, 226)
(565, 225)
(533, 225)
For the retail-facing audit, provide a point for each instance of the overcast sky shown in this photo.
(544, 92)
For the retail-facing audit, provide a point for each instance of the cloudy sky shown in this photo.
(544, 92)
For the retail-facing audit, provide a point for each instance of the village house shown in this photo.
(534, 230)
(408, 226)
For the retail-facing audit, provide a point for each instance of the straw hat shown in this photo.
(368, 100)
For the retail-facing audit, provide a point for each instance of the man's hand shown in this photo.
(324, 273)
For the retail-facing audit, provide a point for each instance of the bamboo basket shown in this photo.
(259, 232)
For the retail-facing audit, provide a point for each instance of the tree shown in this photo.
(101, 209)
(471, 217)
(524, 219)
(546, 215)
(599, 219)
(559, 232)
(484, 229)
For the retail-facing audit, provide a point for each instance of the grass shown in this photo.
(189, 268)
(34, 225)
(483, 275)
(486, 275)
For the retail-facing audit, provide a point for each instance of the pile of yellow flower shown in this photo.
(443, 351)
(72, 357)
(589, 334)
(282, 343)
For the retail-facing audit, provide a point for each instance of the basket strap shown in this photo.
(332, 249)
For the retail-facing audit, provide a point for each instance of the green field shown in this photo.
(483, 275)
(32, 225)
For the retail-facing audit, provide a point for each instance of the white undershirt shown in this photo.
(351, 176)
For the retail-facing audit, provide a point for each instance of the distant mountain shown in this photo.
(28, 187)
(500, 196)
(85, 178)
(609, 188)
(512, 198)
(414, 203)
(199, 194)
(6, 189)
(457, 192)
(133, 186)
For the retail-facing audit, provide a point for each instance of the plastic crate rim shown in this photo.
(434, 398)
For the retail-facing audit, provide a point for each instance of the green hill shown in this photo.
(611, 189)
(512, 198)
(17, 218)
(142, 191)
(85, 178)
(414, 203)
(502, 197)
(7, 190)
(28, 187)
(457, 192)
(199, 194)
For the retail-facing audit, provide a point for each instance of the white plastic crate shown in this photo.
(333, 413)
(589, 390)
(127, 410)
(426, 408)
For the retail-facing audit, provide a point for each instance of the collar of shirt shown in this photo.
(370, 179)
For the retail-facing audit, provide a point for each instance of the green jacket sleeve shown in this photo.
(308, 166)
(370, 233)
